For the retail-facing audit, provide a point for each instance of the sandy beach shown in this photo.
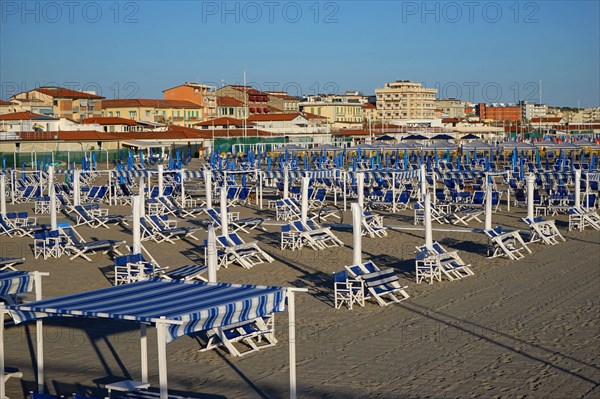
(528, 328)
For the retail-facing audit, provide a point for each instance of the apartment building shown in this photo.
(259, 102)
(197, 93)
(176, 112)
(404, 99)
(341, 111)
(451, 108)
(532, 110)
(498, 112)
(60, 102)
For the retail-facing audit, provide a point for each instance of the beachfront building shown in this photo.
(532, 110)
(7, 107)
(290, 123)
(26, 121)
(498, 112)
(197, 93)
(404, 99)
(340, 111)
(258, 102)
(451, 108)
(283, 101)
(175, 112)
(60, 102)
(230, 107)
(115, 125)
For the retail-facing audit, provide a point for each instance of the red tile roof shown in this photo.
(229, 102)
(5, 103)
(111, 120)
(23, 116)
(61, 92)
(308, 115)
(369, 106)
(274, 117)
(149, 103)
(222, 121)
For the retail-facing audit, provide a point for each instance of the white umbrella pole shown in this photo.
(76, 188)
(428, 228)
(360, 189)
(530, 189)
(356, 233)
(224, 216)
(53, 223)
(137, 236)
(286, 182)
(211, 252)
(587, 191)
(142, 197)
(160, 180)
(208, 184)
(488, 207)
(304, 205)
(423, 182)
(3, 194)
(577, 188)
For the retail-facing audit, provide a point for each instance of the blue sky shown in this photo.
(478, 51)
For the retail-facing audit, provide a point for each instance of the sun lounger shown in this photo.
(382, 285)
(544, 231)
(9, 263)
(347, 291)
(433, 262)
(96, 217)
(73, 244)
(509, 243)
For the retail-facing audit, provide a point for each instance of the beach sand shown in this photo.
(528, 328)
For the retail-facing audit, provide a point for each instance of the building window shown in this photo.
(118, 114)
(132, 114)
(147, 113)
(110, 113)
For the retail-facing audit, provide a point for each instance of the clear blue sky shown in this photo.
(487, 51)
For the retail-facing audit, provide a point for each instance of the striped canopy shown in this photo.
(186, 306)
(15, 282)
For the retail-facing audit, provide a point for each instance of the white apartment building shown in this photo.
(532, 110)
(404, 99)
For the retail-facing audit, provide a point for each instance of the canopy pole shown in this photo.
(286, 182)
(393, 192)
(587, 192)
(144, 351)
(76, 188)
(182, 188)
(2, 380)
(304, 204)
(488, 206)
(161, 338)
(356, 233)
(137, 237)
(577, 188)
(427, 222)
(3, 196)
(260, 189)
(39, 334)
(292, 341)
(53, 223)
(345, 177)
(530, 189)
(142, 193)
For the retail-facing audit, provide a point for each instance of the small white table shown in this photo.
(126, 386)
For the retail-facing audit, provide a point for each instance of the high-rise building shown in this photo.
(532, 110)
(404, 99)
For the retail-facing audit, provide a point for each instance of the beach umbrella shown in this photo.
(360, 189)
(356, 233)
(538, 159)
(224, 216)
(53, 223)
(94, 160)
(211, 254)
(244, 180)
(208, 187)
(405, 160)
(3, 195)
(304, 204)
(142, 195)
(76, 188)
(136, 229)
(487, 162)
(578, 188)
(286, 182)
(521, 169)
(488, 205)
(423, 180)
(427, 221)
(142, 159)
(530, 190)
(269, 164)
(448, 159)
(435, 155)
(4, 164)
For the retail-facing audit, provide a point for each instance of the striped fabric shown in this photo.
(15, 282)
(593, 176)
(133, 173)
(380, 277)
(200, 306)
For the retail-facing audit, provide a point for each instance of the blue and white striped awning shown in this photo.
(133, 173)
(15, 282)
(593, 175)
(193, 174)
(187, 306)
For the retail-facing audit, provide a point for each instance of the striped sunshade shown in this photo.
(15, 282)
(187, 306)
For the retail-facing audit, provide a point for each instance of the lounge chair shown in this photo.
(245, 254)
(9, 263)
(255, 334)
(134, 267)
(433, 262)
(315, 236)
(75, 245)
(96, 217)
(48, 244)
(187, 273)
(544, 231)
(372, 225)
(234, 221)
(382, 285)
(507, 243)
(579, 219)
(169, 230)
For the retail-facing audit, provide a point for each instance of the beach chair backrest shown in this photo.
(223, 241)
(236, 239)
(340, 277)
(355, 270)
(286, 228)
(437, 247)
(214, 215)
(298, 225)
(370, 267)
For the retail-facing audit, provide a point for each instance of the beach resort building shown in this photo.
(404, 99)
(175, 112)
(60, 102)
